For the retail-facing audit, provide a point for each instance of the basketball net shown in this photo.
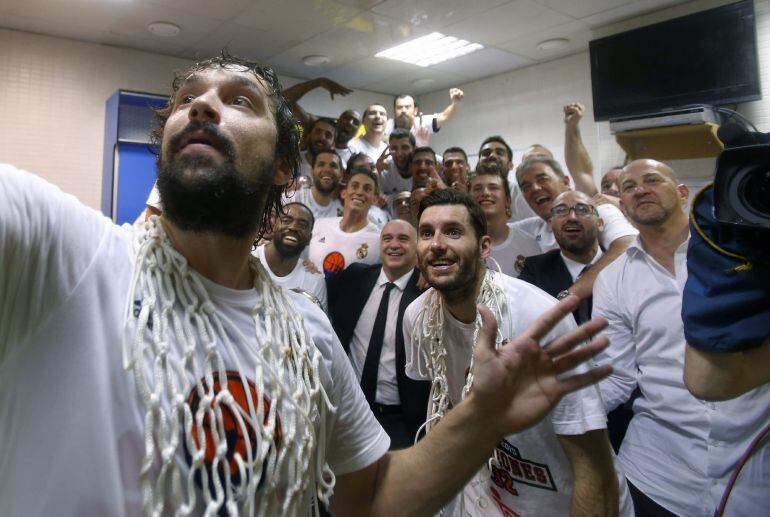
(428, 346)
(177, 347)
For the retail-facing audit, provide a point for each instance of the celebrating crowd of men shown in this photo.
(208, 360)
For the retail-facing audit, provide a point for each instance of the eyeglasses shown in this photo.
(581, 210)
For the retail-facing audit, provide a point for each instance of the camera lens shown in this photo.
(757, 192)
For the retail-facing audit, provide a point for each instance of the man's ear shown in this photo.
(485, 246)
(283, 172)
(684, 193)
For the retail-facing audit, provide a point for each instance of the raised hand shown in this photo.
(515, 386)
(573, 113)
(332, 87)
(456, 95)
(382, 164)
(421, 133)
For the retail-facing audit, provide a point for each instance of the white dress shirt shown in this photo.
(387, 386)
(576, 268)
(679, 450)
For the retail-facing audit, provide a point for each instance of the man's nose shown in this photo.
(205, 108)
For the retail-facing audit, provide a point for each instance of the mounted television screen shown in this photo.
(708, 57)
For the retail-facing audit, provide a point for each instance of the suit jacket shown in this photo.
(549, 272)
(348, 293)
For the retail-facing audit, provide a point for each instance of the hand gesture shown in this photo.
(422, 133)
(332, 87)
(456, 95)
(516, 385)
(382, 164)
(573, 112)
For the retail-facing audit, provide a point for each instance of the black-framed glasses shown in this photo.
(581, 210)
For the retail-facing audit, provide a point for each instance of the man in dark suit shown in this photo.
(366, 308)
(576, 226)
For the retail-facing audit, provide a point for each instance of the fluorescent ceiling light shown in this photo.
(429, 50)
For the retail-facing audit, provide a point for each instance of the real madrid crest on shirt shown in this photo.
(362, 251)
(519, 264)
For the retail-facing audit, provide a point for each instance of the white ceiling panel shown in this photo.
(220, 10)
(628, 10)
(369, 71)
(578, 33)
(432, 15)
(247, 42)
(486, 62)
(583, 8)
(500, 23)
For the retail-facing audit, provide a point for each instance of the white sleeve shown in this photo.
(621, 352)
(416, 368)
(615, 224)
(47, 241)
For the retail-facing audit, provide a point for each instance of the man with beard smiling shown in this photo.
(393, 163)
(164, 359)
(320, 136)
(407, 116)
(281, 254)
(321, 198)
(562, 466)
(542, 180)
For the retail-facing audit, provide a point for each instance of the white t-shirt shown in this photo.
(378, 217)
(362, 145)
(332, 250)
(533, 476)
(427, 122)
(616, 225)
(510, 253)
(392, 182)
(71, 421)
(305, 196)
(299, 277)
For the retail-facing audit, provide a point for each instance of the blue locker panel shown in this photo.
(134, 177)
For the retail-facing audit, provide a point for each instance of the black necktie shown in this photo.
(583, 312)
(372, 361)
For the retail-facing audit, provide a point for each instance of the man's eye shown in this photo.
(426, 234)
(186, 99)
(453, 233)
(240, 101)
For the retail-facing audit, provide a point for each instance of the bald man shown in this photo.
(366, 307)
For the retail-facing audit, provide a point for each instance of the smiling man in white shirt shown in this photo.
(679, 451)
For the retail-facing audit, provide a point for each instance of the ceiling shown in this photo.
(348, 32)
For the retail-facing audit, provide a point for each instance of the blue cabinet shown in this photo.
(129, 164)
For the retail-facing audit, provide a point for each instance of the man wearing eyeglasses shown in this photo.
(541, 181)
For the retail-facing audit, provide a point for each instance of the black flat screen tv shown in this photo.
(709, 57)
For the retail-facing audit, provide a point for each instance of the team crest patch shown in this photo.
(519, 264)
(339, 212)
(511, 468)
(363, 251)
(333, 263)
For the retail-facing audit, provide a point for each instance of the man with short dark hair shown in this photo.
(455, 168)
(393, 163)
(281, 254)
(372, 141)
(407, 116)
(320, 135)
(423, 167)
(164, 358)
(679, 452)
(371, 332)
(562, 466)
(494, 149)
(340, 241)
(609, 183)
(321, 197)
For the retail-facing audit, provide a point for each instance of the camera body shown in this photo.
(742, 187)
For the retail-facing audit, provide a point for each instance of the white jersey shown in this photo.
(509, 255)
(426, 121)
(332, 250)
(392, 182)
(299, 278)
(362, 145)
(71, 420)
(379, 217)
(532, 475)
(539, 231)
(305, 196)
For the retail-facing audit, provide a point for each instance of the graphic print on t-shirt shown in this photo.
(334, 262)
(237, 428)
(510, 467)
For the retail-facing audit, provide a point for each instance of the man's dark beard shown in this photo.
(404, 121)
(202, 197)
(287, 252)
(325, 190)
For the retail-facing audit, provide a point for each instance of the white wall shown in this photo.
(52, 103)
(525, 107)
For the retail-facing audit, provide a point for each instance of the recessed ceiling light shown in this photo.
(316, 60)
(425, 81)
(164, 29)
(429, 50)
(553, 44)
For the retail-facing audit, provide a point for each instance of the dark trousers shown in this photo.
(646, 507)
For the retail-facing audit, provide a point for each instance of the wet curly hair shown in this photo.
(288, 129)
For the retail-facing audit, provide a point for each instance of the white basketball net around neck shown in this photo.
(428, 347)
(178, 346)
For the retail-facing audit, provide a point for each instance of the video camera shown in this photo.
(726, 301)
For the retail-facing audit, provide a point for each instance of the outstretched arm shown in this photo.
(456, 97)
(596, 485)
(514, 387)
(294, 93)
(575, 154)
(585, 284)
